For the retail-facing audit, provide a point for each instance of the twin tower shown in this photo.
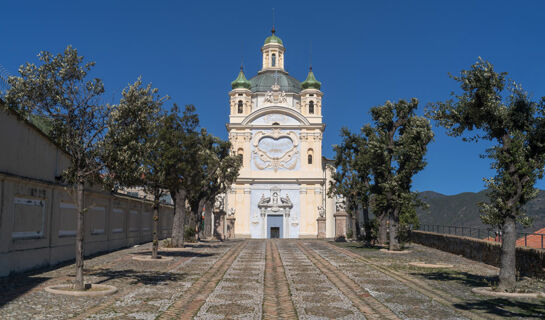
(275, 124)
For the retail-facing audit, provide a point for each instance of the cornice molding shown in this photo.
(275, 109)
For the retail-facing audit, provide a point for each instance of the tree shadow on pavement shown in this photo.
(465, 278)
(358, 245)
(534, 309)
(181, 254)
(134, 276)
(14, 286)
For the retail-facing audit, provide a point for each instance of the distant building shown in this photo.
(535, 240)
(139, 192)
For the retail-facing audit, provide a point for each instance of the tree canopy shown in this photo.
(60, 92)
(398, 142)
(497, 109)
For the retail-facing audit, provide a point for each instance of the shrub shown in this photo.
(189, 234)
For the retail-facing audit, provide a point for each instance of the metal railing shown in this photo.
(485, 234)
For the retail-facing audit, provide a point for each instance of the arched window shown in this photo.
(240, 153)
(240, 106)
(311, 107)
(310, 152)
(309, 159)
(273, 60)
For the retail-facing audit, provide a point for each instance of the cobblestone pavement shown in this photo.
(448, 290)
(273, 279)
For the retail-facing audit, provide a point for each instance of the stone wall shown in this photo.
(529, 261)
(38, 223)
(38, 216)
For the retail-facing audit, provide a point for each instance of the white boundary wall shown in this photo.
(38, 217)
(38, 223)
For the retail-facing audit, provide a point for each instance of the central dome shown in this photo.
(264, 81)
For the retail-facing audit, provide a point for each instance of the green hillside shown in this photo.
(462, 210)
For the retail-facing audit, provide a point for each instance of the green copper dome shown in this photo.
(264, 81)
(273, 39)
(311, 81)
(241, 81)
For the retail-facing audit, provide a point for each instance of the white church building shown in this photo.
(276, 124)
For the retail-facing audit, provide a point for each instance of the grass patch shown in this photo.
(356, 246)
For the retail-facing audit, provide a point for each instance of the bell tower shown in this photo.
(240, 96)
(273, 53)
(311, 96)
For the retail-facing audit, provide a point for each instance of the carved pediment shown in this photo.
(275, 203)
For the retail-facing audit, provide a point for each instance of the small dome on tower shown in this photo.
(311, 81)
(241, 81)
(273, 38)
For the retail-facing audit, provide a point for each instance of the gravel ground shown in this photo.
(145, 289)
(239, 295)
(457, 281)
(314, 296)
(404, 301)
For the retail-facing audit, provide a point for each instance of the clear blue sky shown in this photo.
(364, 52)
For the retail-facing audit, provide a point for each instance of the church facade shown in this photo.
(276, 125)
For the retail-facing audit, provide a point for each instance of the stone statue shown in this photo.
(283, 98)
(340, 204)
(275, 198)
(219, 202)
(232, 212)
(286, 200)
(269, 97)
(321, 211)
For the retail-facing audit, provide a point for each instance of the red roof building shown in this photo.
(535, 240)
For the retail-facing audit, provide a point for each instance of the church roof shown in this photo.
(264, 80)
(273, 39)
(241, 81)
(311, 81)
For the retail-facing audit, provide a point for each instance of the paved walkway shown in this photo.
(273, 279)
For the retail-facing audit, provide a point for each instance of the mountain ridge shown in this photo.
(462, 210)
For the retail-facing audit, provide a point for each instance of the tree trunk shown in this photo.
(192, 217)
(382, 229)
(155, 243)
(355, 225)
(394, 219)
(178, 222)
(207, 230)
(80, 232)
(367, 225)
(199, 219)
(508, 256)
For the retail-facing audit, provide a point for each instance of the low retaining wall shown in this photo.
(529, 261)
(38, 223)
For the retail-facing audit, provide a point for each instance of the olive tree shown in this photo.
(184, 149)
(352, 179)
(136, 148)
(397, 143)
(496, 109)
(60, 89)
(217, 169)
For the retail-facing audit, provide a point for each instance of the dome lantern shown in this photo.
(273, 53)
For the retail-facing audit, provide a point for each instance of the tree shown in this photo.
(217, 169)
(184, 142)
(137, 149)
(61, 91)
(496, 109)
(352, 179)
(397, 146)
